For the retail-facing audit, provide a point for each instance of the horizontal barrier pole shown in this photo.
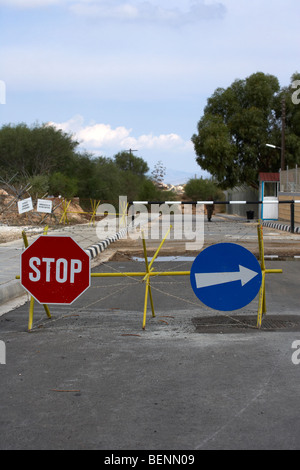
(237, 202)
(214, 202)
(159, 273)
(142, 274)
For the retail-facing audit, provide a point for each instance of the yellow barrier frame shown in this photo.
(31, 305)
(150, 272)
(94, 206)
(262, 308)
(146, 276)
(64, 216)
(123, 208)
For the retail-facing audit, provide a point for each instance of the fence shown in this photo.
(18, 209)
(290, 180)
(61, 210)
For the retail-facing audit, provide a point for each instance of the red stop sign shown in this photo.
(55, 270)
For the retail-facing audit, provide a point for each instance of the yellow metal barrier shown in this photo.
(64, 217)
(94, 205)
(147, 275)
(150, 273)
(262, 308)
(31, 306)
(65, 205)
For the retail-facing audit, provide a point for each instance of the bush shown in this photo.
(200, 189)
(62, 185)
(39, 185)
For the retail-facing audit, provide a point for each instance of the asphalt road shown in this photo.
(91, 378)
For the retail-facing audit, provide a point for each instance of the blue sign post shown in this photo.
(226, 277)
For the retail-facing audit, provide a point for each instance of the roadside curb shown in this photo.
(11, 290)
(98, 248)
(284, 227)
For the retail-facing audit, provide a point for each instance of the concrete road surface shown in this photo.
(91, 378)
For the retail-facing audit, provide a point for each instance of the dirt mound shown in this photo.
(63, 212)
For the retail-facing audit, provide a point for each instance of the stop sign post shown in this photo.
(55, 270)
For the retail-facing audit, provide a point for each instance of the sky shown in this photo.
(136, 74)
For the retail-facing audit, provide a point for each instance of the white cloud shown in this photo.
(103, 138)
(148, 11)
(24, 4)
(130, 10)
(106, 10)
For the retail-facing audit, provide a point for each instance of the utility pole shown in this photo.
(130, 151)
(283, 134)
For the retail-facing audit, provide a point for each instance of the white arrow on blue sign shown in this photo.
(226, 276)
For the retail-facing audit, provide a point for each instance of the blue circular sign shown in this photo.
(226, 276)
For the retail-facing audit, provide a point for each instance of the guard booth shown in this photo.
(268, 193)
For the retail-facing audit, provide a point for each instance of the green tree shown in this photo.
(35, 150)
(236, 125)
(150, 192)
(132, 173)
(85, 172)
(62, 185)
(285, 101)
(200, 189)
(39, 185)
(48, 158)
(106, 182)
(126, 161)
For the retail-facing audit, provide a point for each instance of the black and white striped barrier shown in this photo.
(278, 226)
(214, 202)
(98, 248)
(290, 228)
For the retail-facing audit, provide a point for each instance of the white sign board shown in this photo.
(44, 205)
(25, 205)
